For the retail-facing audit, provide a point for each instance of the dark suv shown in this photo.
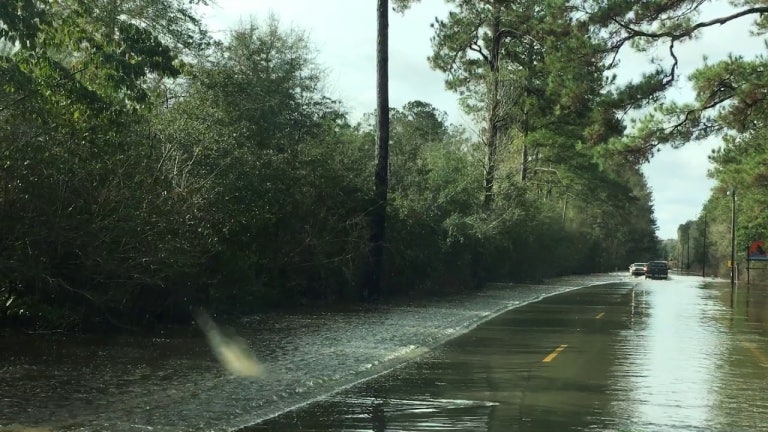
(656, 270)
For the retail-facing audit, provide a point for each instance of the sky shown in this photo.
(343, 33)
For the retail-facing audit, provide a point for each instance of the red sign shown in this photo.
(757, 251)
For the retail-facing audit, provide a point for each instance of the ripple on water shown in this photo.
(176, 384)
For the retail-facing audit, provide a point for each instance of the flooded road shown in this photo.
(637, 356)
(174, 383)
(592, 353)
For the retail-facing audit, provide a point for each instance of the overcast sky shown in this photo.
(344, 34)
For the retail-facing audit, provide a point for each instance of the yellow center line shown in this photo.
(554, 353)
(600, 315)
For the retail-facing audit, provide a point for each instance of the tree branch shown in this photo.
(633, 32)
(59, 81)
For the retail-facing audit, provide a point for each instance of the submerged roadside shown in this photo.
(138, 383)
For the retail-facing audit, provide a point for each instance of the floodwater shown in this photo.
(174, 383)
(637, 356)
(618, 354)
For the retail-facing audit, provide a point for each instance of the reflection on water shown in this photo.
(738, 405)
(696, 360)
(493, 377)
(642, 356)
(667, 367)
(71, 383)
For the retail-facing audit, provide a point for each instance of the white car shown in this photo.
(637, 269)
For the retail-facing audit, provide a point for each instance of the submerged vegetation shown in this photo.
(147, 169)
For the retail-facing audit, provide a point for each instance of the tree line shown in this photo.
(148, 169)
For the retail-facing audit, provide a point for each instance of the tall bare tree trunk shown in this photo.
(373, 286)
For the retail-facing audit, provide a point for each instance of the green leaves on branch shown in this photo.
(728, 94)
(83, 48)
(729, 97)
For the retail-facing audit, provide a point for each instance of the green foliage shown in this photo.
(740, 165)
(435, 192)
(728, 95)
(534, 74)
(86, 229)
(280, 170)
(728, 101)
(130, 194)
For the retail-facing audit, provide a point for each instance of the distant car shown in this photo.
(637, 269)
(656, 270)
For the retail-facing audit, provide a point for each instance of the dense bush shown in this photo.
(241, 188)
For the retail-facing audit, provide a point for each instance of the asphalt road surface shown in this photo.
(685, 354)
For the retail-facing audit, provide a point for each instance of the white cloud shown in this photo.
(679, 183)
(344, 33)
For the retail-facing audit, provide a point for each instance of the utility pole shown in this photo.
(732, 193)
(688, 255)
(704, 256)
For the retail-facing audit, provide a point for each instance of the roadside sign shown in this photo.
(757, 251)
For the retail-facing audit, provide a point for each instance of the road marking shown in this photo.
(761, 358)
(600, 315)
(554, 353)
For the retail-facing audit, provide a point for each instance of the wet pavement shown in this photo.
(684, 354)
(620, 354)
(172, 383)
